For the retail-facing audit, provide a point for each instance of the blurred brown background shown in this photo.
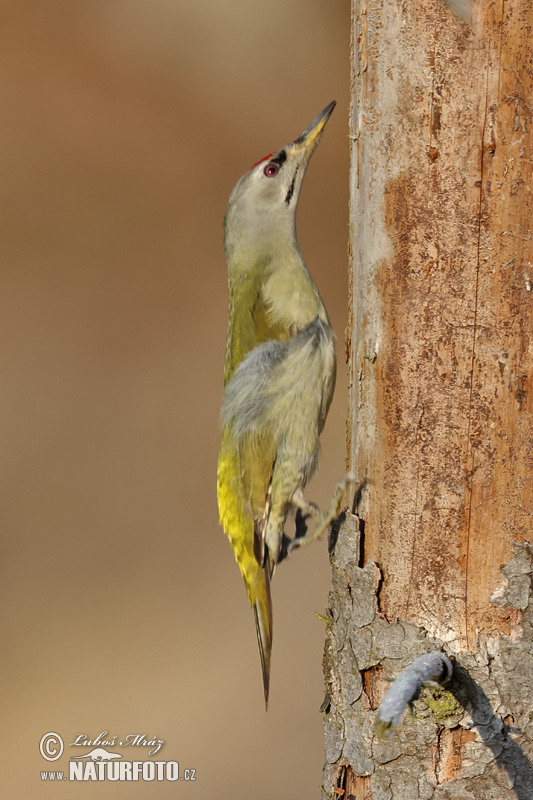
(125, 124)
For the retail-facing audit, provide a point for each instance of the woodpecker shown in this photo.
(279, 373)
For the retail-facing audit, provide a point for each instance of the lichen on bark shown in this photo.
(471, 739)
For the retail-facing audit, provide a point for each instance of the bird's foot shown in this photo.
(323, 518)
(304, 506)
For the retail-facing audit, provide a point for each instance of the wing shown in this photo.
(249, 321)
(245, 465)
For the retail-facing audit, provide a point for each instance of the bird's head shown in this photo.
(263, 202)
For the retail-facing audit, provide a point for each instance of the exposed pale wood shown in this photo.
(441, 350)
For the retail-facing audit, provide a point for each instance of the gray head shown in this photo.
(263, 202)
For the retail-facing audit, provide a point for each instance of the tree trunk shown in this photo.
(439, 346)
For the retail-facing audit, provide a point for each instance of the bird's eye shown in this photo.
(271, 170)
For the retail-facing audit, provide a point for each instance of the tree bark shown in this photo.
(441, 425)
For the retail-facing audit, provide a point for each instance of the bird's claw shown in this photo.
(323, 518)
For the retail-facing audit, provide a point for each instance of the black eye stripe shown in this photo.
(279, 159)
(291, 188)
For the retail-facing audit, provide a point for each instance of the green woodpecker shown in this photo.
(279, 371)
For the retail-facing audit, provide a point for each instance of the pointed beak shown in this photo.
(309, 138)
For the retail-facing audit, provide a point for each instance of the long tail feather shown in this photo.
(263, 624)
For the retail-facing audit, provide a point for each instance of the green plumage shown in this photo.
(279, 372)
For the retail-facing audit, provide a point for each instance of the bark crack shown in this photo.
(413, 544)
(501, 48)
(435, 34)
(470, 452)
